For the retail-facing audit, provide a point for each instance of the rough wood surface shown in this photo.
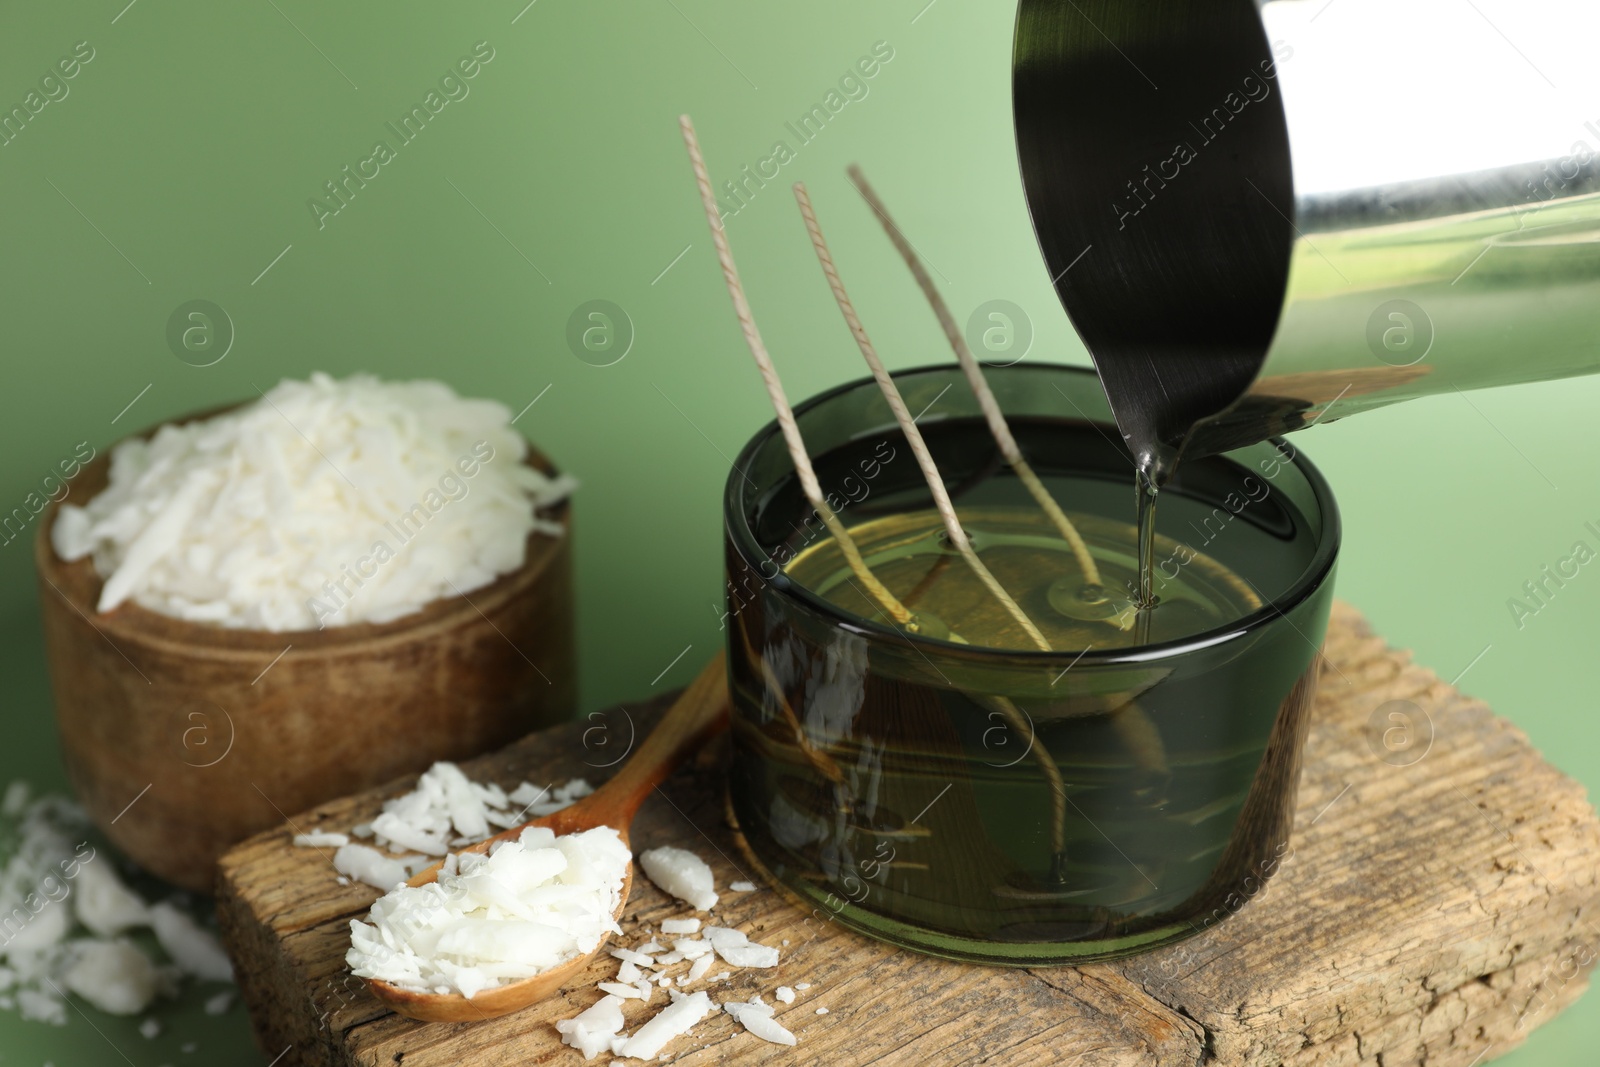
(1437, 904)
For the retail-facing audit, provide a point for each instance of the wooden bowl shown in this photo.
(183, 738)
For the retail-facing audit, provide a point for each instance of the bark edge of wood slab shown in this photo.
(698, 715)
(1432, 913)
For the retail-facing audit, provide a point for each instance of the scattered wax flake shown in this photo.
(756, 1017)
(785, 994)
(591, 1031)
(105, 904)
(736, 948)
(692, 948)
(682, 874)
(742, 887)
(56, 942)
(192, 947)
(672, 1021)
(39, 1006)
(17, 795)
(372, 867)
(444, 810)
(114, 976)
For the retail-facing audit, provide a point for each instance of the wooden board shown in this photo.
(1436, 906)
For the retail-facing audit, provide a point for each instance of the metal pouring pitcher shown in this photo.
(1256, 223)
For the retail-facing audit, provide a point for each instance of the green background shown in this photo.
(182, 161)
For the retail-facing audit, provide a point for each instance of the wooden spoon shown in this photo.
(697, 716)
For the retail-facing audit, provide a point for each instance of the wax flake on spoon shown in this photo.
(528, 905)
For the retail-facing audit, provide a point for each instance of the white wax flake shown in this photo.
(784, 994)
(192, 947)
(803, 986)
(682, 874)
(104, 903)
(674, 1020)
(692, 948)
(535, 802)
(531, 904)
(368, 865)
(323, 503)
(445, 809)
(15, 800)
(742, 887)
(698, 969)
(114, 976)
(680, 926)
(756, 1017)
(822, 1011)
(591, 1031)
(736, 948)
(68, 914)
(625, 991)
(35, 1005)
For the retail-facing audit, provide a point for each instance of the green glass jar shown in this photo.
(951, 790)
